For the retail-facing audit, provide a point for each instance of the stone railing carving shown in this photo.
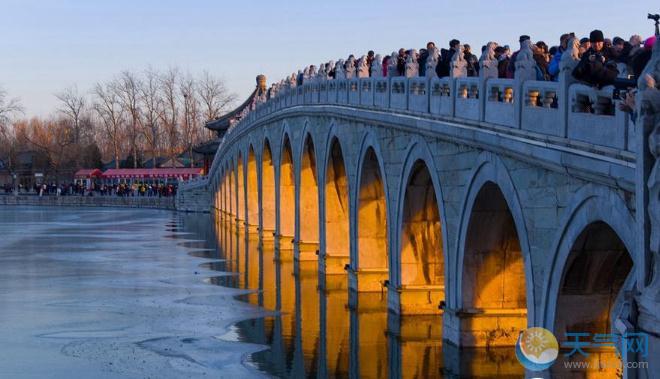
(399, 93)
(418, 99)
(441, 97)
(594, 118)
(367, 92)
(562, 109)
(466, 98)
(540, 111)
(647, 197)
(354, 91)
(499, 103)
(382, 93)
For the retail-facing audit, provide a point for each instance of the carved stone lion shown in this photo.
(431, 64)
(412, 67)
(329, 67)
(321, 74)
(362, 67)
(488, 62)
(377, 67)
(525, 63)
(350, 68)
(339, 70)
(311, 72)
(570, 57)
(458, 65)
(392, 70)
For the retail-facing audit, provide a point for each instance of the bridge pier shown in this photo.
(307, 251)
(335, 264)
(368, 280)
(284, 248)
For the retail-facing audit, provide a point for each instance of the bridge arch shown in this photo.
(418, 261)
(221, 193)
(336, 206)
(287, 193)
(240, 188)
(225, 190)
(222, 188)
(268, 190)
(232, 189)
(308, 198)
(370, 260)
(494, 282)
(597, 236)
(252, 189)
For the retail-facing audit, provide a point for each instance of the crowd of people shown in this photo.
(602, 61)
(78, 189)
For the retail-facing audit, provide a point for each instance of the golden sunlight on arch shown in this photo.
(494, 283)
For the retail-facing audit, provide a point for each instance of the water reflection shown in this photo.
(323, 330)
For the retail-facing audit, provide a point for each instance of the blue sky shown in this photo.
(46, 46)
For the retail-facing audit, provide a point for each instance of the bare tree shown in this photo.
(214, 96)
(190, 125)
(152, 110)
(128, 89)
(109, 108)
(8, 108)
(169, 82)
(55, 140)
(72, 106)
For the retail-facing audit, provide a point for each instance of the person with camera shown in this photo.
(595, 67)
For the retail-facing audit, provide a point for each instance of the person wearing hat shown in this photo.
(594, 67)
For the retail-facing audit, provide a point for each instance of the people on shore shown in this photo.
(95, 189)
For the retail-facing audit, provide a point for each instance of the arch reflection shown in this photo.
(336, 332)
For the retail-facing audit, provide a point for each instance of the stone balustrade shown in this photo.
(591, 115)
(564, 109)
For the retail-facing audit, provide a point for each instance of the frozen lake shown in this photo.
(113, 293)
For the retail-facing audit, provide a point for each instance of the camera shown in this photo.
(656, 18)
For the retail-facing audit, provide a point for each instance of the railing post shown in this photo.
(525, 70)
(452, 95)
(487, 70)
(569, 60)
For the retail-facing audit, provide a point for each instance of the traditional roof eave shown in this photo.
(223, 122)
(207, 148)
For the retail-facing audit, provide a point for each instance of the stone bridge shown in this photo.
(498, 203)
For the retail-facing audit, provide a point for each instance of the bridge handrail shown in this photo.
(585, 114)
